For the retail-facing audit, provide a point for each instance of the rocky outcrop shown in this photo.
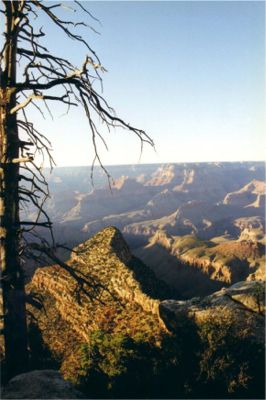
(252, 228)
(44, 384)
(245, 301)
(251, 195)
(106, 258)
(164, 175)
(113, 291)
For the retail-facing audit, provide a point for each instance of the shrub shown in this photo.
(231, 363)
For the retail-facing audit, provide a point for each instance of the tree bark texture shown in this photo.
(13, 292)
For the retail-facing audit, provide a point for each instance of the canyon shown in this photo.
(198, 226)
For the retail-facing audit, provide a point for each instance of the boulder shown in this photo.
(43, 384)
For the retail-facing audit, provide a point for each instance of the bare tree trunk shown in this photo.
(15, 328)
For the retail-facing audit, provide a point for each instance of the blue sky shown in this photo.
(191, 74)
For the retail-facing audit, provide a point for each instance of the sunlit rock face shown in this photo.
(251, 195)
(120, 294)
(244, 302)
(105, 259)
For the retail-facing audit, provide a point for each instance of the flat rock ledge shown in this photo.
(41, 384)
(244, 300)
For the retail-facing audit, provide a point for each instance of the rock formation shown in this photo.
(244, 301)
(251, 195)
(127, 297)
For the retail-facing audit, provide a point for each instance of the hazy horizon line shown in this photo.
(159, 163)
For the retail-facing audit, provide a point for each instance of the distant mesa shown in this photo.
(126, 183)
(164, 175)
(251, 195)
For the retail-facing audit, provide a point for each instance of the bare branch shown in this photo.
(22, 160)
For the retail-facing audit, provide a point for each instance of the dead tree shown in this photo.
(30, 74)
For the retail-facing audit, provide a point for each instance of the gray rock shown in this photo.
(244, 300)
(43, 384)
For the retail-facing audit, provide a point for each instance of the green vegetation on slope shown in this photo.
(215, 360)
